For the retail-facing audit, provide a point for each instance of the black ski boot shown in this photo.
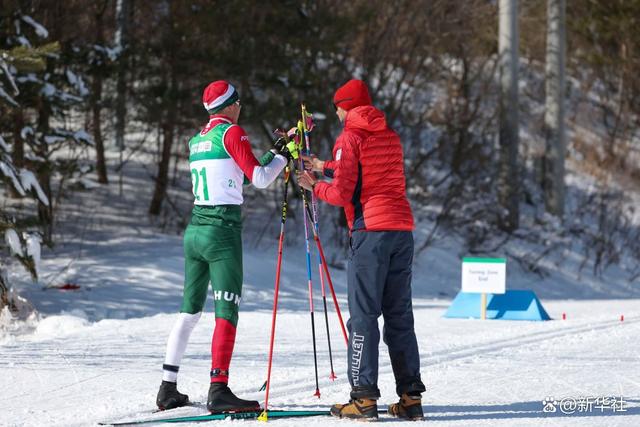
(221, 399)
(169, 397)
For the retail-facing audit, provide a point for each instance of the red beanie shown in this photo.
(352, 94)
(218, 95)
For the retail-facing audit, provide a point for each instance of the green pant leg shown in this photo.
(196, 275)
(226, 281)
(219, 244)
(225, 269)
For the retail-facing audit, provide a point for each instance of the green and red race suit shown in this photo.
(220, 160)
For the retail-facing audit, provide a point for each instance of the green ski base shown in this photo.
(223, 416)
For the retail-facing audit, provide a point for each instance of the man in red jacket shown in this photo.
(369, 183)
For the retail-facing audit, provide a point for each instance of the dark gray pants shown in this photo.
(379, 283)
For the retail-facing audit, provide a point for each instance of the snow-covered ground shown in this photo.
(71, 372)
(94, 354)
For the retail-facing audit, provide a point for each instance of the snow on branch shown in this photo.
(13, 241)
(52, 139)
(29, 182)
(61, 135)
(52, 92)
(83, 136)
(4, 95)
(111, 54)
(77, 82)
(33, 241)
(26, 248)
(9, 172)
(5, 69)
(26, 132)
(3, 144)
(39, 28)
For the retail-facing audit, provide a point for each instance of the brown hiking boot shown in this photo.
(356, 409)
(409, 407)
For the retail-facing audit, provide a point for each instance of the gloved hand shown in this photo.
(286, 148)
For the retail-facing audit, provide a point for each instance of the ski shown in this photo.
(190, 404)
(222, 416)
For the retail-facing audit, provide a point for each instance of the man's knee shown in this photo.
(363, 322)
(191, 306)
(399, 323)
(227, 311)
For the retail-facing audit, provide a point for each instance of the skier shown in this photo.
(220, 161)
(368, 181)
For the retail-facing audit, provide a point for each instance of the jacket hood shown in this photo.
(366, 117)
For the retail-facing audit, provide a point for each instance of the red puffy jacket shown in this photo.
(368, 174)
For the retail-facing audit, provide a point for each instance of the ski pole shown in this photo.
(330, 283)
(305, 207)
(302, 125)
(287, 172)
(306, 128)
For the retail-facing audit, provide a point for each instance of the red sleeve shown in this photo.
(345, 173)
(236, 142)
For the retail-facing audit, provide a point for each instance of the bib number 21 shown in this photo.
(196, 177)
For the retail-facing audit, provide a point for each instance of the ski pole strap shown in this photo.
(215, 373)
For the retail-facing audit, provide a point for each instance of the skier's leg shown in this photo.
(225, 270)
(226, 280)
(224, 253)
(196, 279)
(177, 344)
(193, 299)
(398, 332)
(226, 277)
(168, 396)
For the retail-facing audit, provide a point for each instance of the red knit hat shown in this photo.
(352, 94)
(219, 95)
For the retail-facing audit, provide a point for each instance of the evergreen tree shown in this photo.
(37, 84)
